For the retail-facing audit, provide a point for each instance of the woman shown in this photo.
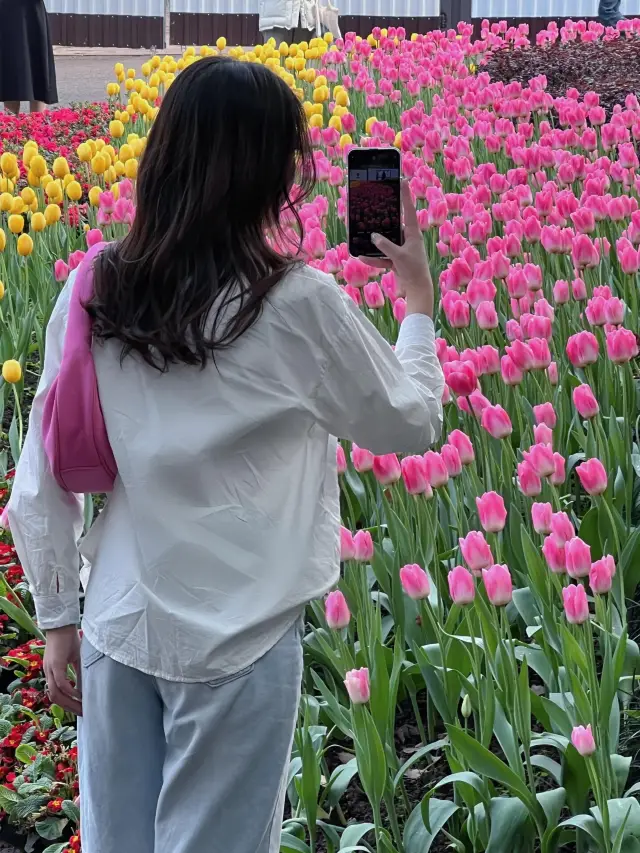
(289, 20)
(224, 369)
(27, 68)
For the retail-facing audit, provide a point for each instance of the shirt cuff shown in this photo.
(57, 611)
(416, 329)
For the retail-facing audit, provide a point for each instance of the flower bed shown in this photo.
(470, 683)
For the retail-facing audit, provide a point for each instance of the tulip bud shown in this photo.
(336, 611)
(465, 708)
(357, 683)
(582, 739)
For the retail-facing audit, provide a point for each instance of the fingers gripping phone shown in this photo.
(373, 199)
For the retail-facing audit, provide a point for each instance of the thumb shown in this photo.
(387, 248)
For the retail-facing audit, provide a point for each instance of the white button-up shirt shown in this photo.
(224, 520)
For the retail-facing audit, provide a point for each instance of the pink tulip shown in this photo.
(498, 584)
(487, 316)
(552, 373)
(561, 292)
(497, 422)
(593, 476)
(583, 349)
(463, 445)
(614, 310)
(75, 258)
(491, 357)
(60, 270)
(361, 459)
(492, 512)
(529, 481)
(462, 588)
(622, 346)
(584, 252)
(357, 683)
(562, 528)
(576, 606)
(582, 739)
(541, 354)
(336, 611)
(542, 434)
(545, 414)
(414, 474)
(475, 551)
(460, 377)
(596, 311)
(415, 582)
(541, 515)
(540, 457)
(521, 354)
(601, 575)
(578, 557)
(555, 555)
(585, 402)
(363, 546)
(341, 460)
(579, 289)
(347, 546)
(373, 295)
(452, 459)
(458, 313)
(511, 373)
(436, 469)
(386, 469)
(399, 309)
(558, 477)
(356, 273)
(94, 236)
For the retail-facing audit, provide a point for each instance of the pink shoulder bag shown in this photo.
(75, 435)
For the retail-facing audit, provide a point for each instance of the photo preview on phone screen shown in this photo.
(374, 203)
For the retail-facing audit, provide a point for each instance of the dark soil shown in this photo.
(610, 68)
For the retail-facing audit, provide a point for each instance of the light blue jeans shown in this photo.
(167, 767)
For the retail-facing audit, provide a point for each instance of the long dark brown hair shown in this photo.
(223, 156)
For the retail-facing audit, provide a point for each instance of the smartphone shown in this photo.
(373, 199)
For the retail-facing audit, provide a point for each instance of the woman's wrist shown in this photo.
(420, 303)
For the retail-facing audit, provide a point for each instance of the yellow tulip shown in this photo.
(99, 164)
(6, 200)
(129, 84)
(28, 155)
(125, 153)
(120, 168)
(38, 165)
(98, 145)
(345, 139)
(340, 111)
(84, 152)
(336, 122)
(115, 189)
(94, 196)
(138, 146)
(321, 94)
(1, 290)
(17, 205)
(116, 129)
(328, 37)
(11, 370)
(74, 191)
(9, 164)
(398, 140)
(369, 123)
(131, 73)
(113, 89)
(25, 245)
(33, 207)
(45, 180)
(316, 121)
(131, 169)
(153, 93)
(38, 222)
(16, 223)
(342, 98)
(54, 192)
(321, 80)
(221, 43)
(28, 195)
(60, 167)
(3, 240)
(317, 110)
(146, 69)
(125, 117)
(34, 180)
(154, 80)
(110, 175)
(299, 63)
(67, 180)
(7, 185)
(118, 68)
(52, 214)
(155, 61)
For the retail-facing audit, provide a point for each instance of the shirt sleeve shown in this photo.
(46, 522)
(383, 400)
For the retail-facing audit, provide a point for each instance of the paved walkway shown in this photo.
(84, 78)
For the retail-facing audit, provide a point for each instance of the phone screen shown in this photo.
(374, 198)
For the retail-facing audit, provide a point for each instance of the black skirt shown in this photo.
(27, 69)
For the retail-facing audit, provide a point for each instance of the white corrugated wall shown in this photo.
(381, 8)
(544, 8)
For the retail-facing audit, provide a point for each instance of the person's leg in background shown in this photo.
(301, 34)
(609, 12)
(37, 106)
(280, 34)
(12, 107)
(121, 751)
(228, 751)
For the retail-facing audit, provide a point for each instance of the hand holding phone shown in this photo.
(408, 261)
